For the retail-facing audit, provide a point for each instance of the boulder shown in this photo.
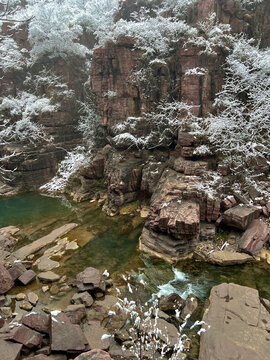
(48, 276)
(91, 279)
(82, 298)
(7, 242)
(95, 354)
(10, 350)
(17, 270)
(27, 277)
(179, 219)
(225, 258)
(168, 333)
(25, 305)
(6, 281)
(254, 237)
(32, 298)
(37, 321)
(65, 336)
(191, 305)
(240, 216)
(171, 303)
(28, 337)
(237, 325)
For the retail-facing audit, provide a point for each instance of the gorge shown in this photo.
(134, 141)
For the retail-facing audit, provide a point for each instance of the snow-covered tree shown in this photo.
(17, 121)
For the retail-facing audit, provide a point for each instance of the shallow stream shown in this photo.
(111, 243)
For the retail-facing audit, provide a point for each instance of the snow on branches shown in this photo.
(241, 128)
(17, 121)
(11, 57)
(155, 36)
(156, 129)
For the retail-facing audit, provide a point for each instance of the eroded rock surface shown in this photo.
(239, 325)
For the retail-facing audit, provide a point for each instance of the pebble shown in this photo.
(32, 298)
(5, 312)
(62, 280)
(26, 306)
(20, 297)
(54, 289)
(45, 288)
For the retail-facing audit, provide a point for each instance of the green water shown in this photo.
(111, 243)
(30, 208)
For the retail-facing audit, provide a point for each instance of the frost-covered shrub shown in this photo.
(239, 131)
(56, 26)
(18, 115)
(241, 128)
(11, 57)
(48, 82)
(71, 163)
(156, 129)
(178, 7)
(51, 32)
(250, 2)
(88, 123)
(155, 36)
(215, 35)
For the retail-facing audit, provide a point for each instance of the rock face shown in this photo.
(254, 237)
(239, 325)
(37, 163)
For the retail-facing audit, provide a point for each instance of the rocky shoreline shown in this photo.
(93, 326)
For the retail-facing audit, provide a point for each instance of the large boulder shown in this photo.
(65, 336)
(179, 219)
(171, 303)
(37, 321)
(226, 258)
(90, 280)
(17, 270)
(6, 281)
(28, 337)
(237, 325)
(240, 216)
(254, 237)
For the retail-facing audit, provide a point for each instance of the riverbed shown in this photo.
(111, 243)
